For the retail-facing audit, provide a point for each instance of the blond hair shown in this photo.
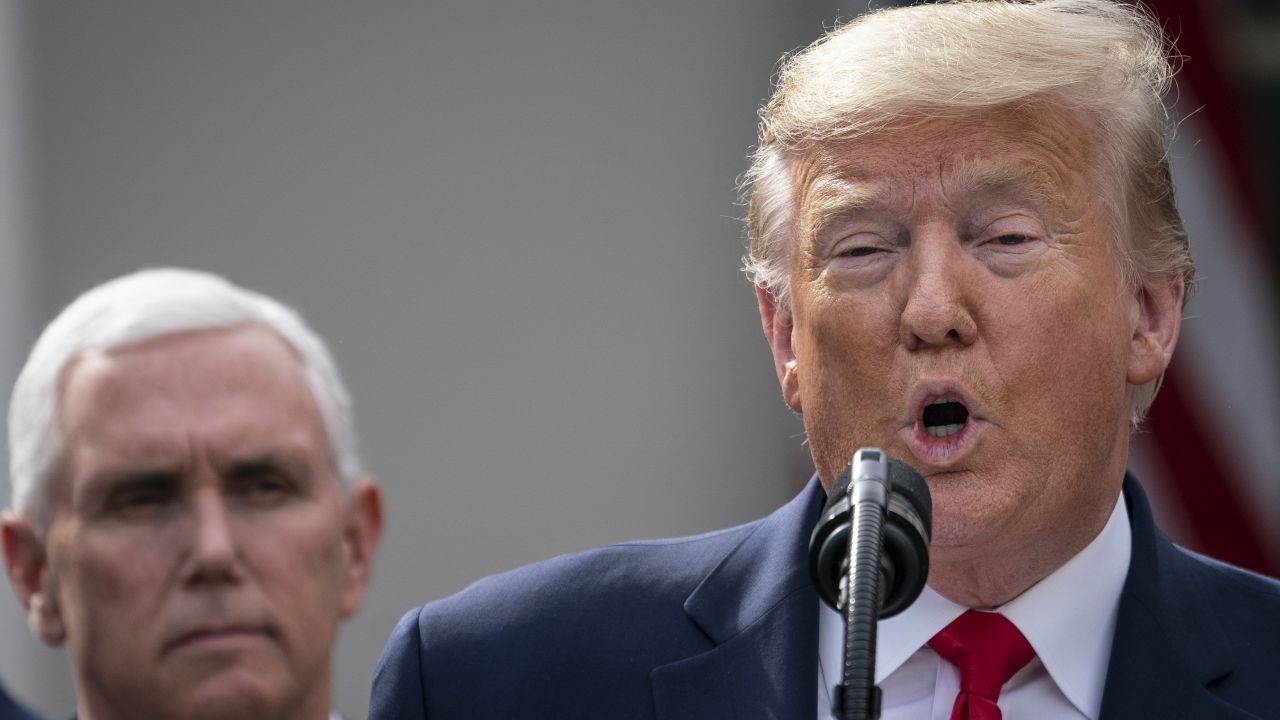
(1103, 60)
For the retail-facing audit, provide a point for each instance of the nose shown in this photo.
(214, 556)
(936, 312)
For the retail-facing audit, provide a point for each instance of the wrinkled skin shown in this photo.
(971, 259)
(201, 553)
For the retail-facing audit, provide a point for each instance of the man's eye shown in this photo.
(268, 485)
(861, 251)
(140, 503)
(262, 487)
(1013, 239)
(143, 499)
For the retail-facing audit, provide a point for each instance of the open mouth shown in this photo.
(943, 418)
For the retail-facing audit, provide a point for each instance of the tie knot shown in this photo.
(986, 648)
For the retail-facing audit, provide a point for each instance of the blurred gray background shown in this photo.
(515, 222)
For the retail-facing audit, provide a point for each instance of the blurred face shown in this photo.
(200, 556)
(957, 302)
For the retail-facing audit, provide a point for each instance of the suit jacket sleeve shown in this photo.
(398, 686)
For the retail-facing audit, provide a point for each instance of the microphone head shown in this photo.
(905, 554)
(829, 544)
(904, 558)
(905, 481)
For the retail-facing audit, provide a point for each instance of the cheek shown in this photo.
(1065, 362)
(846, 353)
(305, 552)
(111, 594)
(302, 581)
(1082, 335)
(849, 338)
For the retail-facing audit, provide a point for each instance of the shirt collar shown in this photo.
(1081, 595)
(1070, 616)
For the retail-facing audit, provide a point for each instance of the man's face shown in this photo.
(200, 555)
(957, 301)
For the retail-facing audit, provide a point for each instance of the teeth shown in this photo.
(943, 430)
(944, 417)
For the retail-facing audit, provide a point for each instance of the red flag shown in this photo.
(1210, 458)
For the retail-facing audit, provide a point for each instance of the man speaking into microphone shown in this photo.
(966, 252)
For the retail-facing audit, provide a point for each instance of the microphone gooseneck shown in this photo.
(869, 558)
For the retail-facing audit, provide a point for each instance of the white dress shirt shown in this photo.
(1069, 618)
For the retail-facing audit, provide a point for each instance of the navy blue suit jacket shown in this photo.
(11, 710)
(725, 625)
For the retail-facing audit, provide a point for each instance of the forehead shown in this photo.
(1033, 153)
(221, 383)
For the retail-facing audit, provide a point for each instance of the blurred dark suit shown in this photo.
(11, 710)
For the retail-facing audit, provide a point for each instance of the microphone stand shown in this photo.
(857, 697)
(869, 558)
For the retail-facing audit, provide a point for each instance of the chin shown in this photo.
(229, 708)
(958, 525)
(952, 534)
(237, 694)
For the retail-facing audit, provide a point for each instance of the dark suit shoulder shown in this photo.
(601, 585)
(1239, 611)
(1194, 637)
(552, 630)
(1244, 606)
(11, 710)
(1227, 586)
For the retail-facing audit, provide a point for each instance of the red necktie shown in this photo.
(988, 650)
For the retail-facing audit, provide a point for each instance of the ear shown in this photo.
(1156, 325)
(777, 330)
(27, 565)
(361, 530)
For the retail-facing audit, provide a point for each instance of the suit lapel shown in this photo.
(760, 610)
(1168, 648)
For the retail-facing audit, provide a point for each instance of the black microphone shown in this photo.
(904, 560)
(869, 558)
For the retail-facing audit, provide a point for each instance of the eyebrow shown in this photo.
(109, 480)
(1024, 181)
(838, 197)
(110, 483)
(288, 461)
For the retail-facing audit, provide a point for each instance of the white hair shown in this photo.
(133, 309)
(1105, 61)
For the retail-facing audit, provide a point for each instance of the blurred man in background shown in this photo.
(966, 251)
(189, 514)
